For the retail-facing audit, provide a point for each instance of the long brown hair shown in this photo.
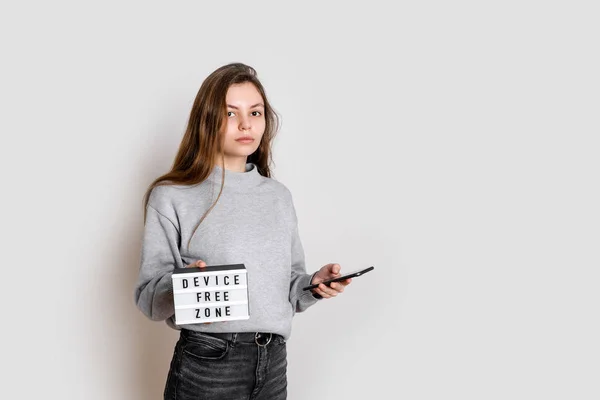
(203, 138)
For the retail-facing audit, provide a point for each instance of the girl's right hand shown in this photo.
(198, 263)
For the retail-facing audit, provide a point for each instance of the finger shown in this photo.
(335, 269)
(329, 291)
(319, 290)
(322, 293)
(200, 264)
(337, 287)
(330, 269)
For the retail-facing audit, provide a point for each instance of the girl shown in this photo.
(219, 205)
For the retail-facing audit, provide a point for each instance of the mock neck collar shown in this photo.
(235, 179)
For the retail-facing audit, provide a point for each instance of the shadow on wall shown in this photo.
(151, 343)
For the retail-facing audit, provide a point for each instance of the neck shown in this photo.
(234, 164)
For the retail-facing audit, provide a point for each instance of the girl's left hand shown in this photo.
(327, 272)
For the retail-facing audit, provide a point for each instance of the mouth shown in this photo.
(245, 139)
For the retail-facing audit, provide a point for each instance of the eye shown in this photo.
(229, 112)
(257, 112)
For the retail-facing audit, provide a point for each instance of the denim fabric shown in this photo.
(205, 367)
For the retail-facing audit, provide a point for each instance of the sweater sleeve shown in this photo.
(159, 257)
(300, 299)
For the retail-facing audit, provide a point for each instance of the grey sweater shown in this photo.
(253, 223)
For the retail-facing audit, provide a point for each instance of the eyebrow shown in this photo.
(252, 106)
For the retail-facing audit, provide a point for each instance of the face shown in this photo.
(245, 118)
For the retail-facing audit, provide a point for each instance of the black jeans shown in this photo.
(227, 366)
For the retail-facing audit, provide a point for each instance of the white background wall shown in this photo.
(452, 145)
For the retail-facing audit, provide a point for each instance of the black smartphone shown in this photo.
(341, 278)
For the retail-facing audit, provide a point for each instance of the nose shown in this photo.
(245, 123)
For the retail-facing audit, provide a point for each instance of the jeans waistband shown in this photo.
(259, 338)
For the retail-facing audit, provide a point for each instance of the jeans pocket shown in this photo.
(206, 347)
